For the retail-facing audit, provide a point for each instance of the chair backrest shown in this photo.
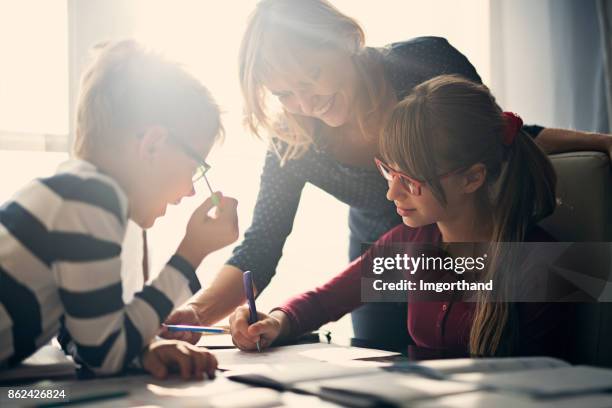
(585, 215)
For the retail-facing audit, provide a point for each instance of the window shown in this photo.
(34, 74)
(33, 90)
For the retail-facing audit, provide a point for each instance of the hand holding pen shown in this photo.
(245, 336)
(259, 334)
(206, 232)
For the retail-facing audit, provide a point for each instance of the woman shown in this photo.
(335, 94)
(459, 170)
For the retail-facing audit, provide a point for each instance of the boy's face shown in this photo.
(165, 171)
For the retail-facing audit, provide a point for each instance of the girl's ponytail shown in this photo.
(527, 186)
(526, 194)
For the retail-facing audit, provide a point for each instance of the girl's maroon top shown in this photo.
(434, 325)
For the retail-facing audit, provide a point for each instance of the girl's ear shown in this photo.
(152, 142)
(474, 177)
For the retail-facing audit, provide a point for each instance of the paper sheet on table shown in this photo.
(497, 400)
(232, 359)
(380, 387)
(216, 341)
(493, 365)
(346, 353)
(545, 383)
(285, 376)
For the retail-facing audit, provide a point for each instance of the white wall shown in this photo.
(546, 62)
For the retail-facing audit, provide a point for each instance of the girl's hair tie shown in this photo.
(514, 123)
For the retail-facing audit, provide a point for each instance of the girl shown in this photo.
(458, 170)
(335, 94)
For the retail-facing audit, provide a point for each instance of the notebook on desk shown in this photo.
(533, 377)
(282, 367)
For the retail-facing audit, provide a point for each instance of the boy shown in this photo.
(143, 129)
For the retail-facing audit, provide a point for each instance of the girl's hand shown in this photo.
(164, 356)
(266, 330)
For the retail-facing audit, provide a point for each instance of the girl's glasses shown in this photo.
(412, 185)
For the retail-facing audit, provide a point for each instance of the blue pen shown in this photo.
(248, 290)
(197, 329)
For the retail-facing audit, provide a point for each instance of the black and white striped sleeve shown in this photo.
(86, 239)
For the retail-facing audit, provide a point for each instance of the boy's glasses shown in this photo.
(412, 185)
(201, 169)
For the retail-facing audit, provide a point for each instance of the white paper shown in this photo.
(497, 400)
(390, 387)
(234, 359)
(346, 354)
(470, 365)
(288, 375)
(217, 340)
(548, 382)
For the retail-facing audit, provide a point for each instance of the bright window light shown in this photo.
(34, 68)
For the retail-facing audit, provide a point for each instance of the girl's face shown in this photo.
(321, 85)
(424, 209)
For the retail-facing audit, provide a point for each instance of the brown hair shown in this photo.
(126, 88)
(448, 123)
(284, 27)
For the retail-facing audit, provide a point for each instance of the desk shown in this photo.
(146, 391)
(222, 392)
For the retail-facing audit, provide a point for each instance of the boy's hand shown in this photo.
(164, 356)
(266, 330)
(208, 233)
(183, 315)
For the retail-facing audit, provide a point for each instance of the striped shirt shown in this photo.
(60, 270)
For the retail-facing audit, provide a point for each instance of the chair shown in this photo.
(585, 215)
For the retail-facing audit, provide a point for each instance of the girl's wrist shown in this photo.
(284, 323)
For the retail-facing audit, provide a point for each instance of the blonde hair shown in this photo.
(450, 123)
(288, 26)
(126, 88)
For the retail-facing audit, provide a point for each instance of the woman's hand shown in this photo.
(164, 356)
(266, 330)
(187, 315)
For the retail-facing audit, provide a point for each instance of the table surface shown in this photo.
(144, 390)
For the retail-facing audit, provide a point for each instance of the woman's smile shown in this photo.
(326, 107)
